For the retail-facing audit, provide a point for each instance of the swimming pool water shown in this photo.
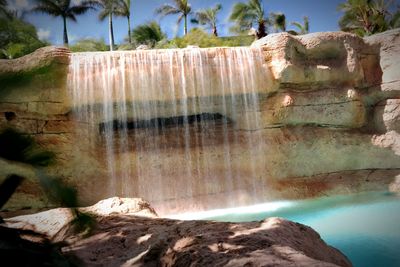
(365, 227)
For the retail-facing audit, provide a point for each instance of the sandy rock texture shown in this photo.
(53, 223)
(122, 237)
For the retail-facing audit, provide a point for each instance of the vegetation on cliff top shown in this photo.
(17, 37)
(250, 18)
(366, 17)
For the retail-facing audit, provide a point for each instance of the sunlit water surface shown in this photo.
(365, 227)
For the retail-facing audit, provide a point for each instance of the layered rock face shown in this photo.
(319, 117)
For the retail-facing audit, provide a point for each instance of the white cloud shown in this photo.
(43, 34)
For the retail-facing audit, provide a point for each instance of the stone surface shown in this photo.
(122, 240)
(387, 115)
(317, 60)
(41, 58)
(387, 111)
(52, 222)
(395, 185)
(388, 43)
(291, 108)
(135, 206)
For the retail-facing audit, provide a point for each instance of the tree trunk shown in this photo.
(215, 32)
(129, 30)
(185, 26)
(261, 32)
(65, 32)
(111, 32)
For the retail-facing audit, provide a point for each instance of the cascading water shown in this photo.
(172, 123)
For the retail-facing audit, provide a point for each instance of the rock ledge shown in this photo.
(120, 239)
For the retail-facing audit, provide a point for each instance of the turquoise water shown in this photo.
(365, 227)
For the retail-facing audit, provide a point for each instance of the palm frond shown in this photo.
(123, 8)
(104, 14)
(208, 17)
(50, 5)
(278, 21)
(78, 10)
(71, 17)
(46, 9)
(302, 28)
(149, 34)
(166, 10)
(93, 3)
(298, 25)
(180, 18)
(238, 11)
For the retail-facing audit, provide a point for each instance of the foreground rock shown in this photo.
(130, 240)
(54, 223)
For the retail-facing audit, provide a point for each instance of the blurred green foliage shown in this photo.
(199, 37)
(17, 38)
(367, 17)
(148, 34)
(88, 45)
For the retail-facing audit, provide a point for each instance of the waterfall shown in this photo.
(173, 125)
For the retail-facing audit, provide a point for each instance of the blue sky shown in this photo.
(322, 14)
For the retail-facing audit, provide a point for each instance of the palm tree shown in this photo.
(366, 17)
(278, 21)
(108, 9)
(181, 7)
(303, 28)
(148, 34)
(61, 8)
(125, 11)
(246, 14)
(208, 17)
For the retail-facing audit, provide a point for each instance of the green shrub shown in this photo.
(200, 38)
(147, 34)
(17, 38)
(88, 45)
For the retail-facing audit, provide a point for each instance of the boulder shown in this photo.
(50, 223)
(387, 111)
(319, 60)
(132, 206)
(120, 239)
(42, 58)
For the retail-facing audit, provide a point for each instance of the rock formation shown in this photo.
(327, 123)
(126, 239)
